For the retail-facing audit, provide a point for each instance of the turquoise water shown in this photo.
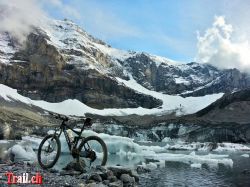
(179, 174)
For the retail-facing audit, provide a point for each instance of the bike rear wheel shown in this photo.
(49, 151)
(93, 150)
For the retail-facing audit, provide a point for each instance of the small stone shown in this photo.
(112, 178)
(90, 181)
(71, 173)
(116, 184)
(81, 185)
(95, 185)
(67, 185)
(135, 175)
(125, 178)
(92, 184)
(95, 177)
(76, 165)
(119, 170)
(109, 173)
(83, 176)
(53, 171)
(101, 168)
(106, 182)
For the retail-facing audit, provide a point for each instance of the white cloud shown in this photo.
(217, 47)
(17, 17)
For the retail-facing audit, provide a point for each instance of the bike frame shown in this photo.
(63, 128)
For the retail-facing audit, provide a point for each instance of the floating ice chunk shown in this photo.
(231, 147)
(144, 141)
(151, 165)
(167, 139)
(160, 164)
(34, 141)
(211, 160)
(4, 141)
(245, 155)
(172, 140)
(195, 165)
(192, 146)
(22, 152)
(156, 149)
(207, 146)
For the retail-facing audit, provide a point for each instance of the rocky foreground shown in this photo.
(115, 176)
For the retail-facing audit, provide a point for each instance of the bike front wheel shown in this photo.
(93, 150)
(49, 151)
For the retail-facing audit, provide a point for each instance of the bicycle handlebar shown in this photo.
(59, 116)
(87, 121)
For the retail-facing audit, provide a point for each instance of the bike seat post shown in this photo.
(82, 129)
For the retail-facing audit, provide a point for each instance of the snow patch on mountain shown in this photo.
(7, 49)
(181, 80)
(171, 103)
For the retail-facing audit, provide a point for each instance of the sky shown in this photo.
(206, 31)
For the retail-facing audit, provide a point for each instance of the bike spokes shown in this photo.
(49, 151)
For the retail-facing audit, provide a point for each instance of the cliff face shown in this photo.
(231, 108)
(40, 72)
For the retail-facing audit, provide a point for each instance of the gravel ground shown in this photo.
(116, 176)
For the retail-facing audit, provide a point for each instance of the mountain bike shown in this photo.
(91, 149)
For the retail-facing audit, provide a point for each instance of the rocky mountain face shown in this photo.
(191, 79)
(41, 71)
(61, 61)
(231, 108)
